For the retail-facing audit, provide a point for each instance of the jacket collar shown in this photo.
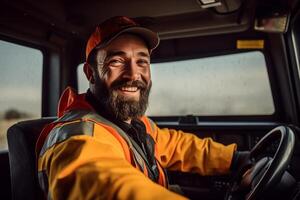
(70, 100)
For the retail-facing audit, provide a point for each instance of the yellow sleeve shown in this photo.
(187, 153)
(94, 167)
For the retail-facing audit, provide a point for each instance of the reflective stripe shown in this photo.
(138, 160)
(61, 133)
(163, 178)
(49, 196)
(43, 180)
(152, 124)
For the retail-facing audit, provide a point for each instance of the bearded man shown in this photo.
(102, 146)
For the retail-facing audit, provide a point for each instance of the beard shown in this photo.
(119, 106)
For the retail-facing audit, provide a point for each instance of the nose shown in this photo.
(132, 71)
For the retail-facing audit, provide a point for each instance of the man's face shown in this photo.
(122, 78)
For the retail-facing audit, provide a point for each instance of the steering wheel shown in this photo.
(265, 172)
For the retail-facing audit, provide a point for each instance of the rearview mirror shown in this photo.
(272, 21)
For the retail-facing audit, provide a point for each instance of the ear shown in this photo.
(87, 68)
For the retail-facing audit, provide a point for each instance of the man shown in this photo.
(102, 146)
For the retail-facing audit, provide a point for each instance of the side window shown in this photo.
(21, 85)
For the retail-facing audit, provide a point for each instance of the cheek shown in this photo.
(111, 75)
(146, 74)
(102, 76)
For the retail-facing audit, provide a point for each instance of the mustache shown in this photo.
(128, 83)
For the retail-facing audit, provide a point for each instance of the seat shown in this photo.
(21, 139)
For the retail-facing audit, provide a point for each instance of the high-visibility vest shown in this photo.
(57, 132)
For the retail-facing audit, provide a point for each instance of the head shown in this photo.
(118, 69)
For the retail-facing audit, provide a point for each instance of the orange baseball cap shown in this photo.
(115, 26)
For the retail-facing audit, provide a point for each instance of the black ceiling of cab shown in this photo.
(170, 18)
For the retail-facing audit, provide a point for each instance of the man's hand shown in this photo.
(240, 160)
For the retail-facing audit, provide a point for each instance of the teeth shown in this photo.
(129, 89)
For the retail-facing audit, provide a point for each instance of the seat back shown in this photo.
(22, 138)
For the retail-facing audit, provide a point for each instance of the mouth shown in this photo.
(129, 89)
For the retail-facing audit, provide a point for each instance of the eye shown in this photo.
(116, 63)
(143, 62)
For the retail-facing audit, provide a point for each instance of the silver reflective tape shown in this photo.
(43, 180)
(152, 124)
(49, 196)
(61, 133)
(138, 159)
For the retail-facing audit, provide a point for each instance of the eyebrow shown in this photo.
(143, 54)
(114, 53)
(122, 53)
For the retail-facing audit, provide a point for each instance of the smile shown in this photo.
(129, 89)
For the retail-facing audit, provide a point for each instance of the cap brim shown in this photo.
(150, 37)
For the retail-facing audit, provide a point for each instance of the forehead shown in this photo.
(127, 41)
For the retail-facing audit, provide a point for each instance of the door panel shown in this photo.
(4, 175)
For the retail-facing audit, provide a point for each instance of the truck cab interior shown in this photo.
(225, 69)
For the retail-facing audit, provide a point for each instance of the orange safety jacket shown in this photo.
(84, 156)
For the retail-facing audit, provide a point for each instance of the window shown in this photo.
(235, 84)
(227, 85)
(21, 85)
(83, 83)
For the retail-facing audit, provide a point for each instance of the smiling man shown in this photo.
(102, 146)
(120, 77)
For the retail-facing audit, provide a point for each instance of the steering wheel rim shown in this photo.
(275, 167)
